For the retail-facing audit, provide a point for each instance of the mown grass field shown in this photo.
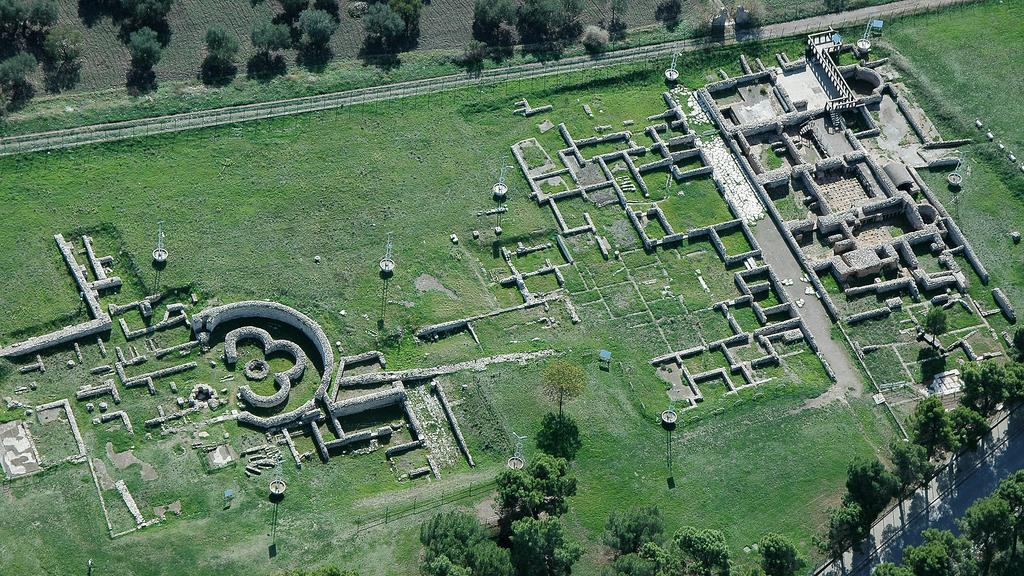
(246, 208)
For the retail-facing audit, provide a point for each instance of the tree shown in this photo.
(292, 8)
(268, 37)
(559, 436)
(969, 427)
(844, 529)
(546, 22)
(456, 543)
(42, 15)
(62, 63)
(871, 486)
(616, 25)
(145, 51)
(541, 487)
(651, 560)
(935, 322)
(488, 15)
(221, 49)
(988, 523)
(15, 88)
(1018, 343)
(984, 387)
(890, 569)
(317, 28)
(147, 13)
(912, 465)
(703, 551)
(13, 16)
(564, 381)
(409, 12)
(930, 426)
(627, 531)
(542, 548)
(668, 11)
(778, 556)
(1011, 490)
(595, 39)
(941, 554)
(384, 27)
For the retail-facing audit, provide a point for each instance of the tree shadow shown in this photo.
(60, 77)
(214, 73)
(932, 362)
(374, 53)
(314, 58)
(265, 66)
(140, 80)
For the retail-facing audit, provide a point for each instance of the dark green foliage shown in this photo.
(331, 571)
(988, 523)
(456, 543)
(542, 548)
(292, 8)
(221, 49)
(668, 12)
(384, 27)
(145, 50)
(616, 25)
(1011, 490)
(889, 569)
(778, 556)
(267, 36)
(941, 554)
(935, 321)
(541, 487)
(62, 58)
(549, 21)
(317, 28)
(559, 436)
(930, 426)
(969, 427)
(984, 387)
(627, 531)
(147, 13)
(473, 56)
(703, 551)
(870, 486)
(409, 12)
(911, 463)
(488, 15)
(651, 560)
(14, 86)
(1018, 343)
(844, 529)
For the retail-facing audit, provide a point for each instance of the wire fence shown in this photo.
(444, 497)
(957, 472)
(122, 130)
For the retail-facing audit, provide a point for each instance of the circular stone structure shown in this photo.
(516, 463)
(955, 180)
(864, 45)
(669, 419)
(387, 267)
(160, 255)
(277, 488)
(671, 74)
(256, 369)
(500, 190)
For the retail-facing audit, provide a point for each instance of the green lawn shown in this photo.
(246, 208)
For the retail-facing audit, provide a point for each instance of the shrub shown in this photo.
(595, 39)
(627, 531)
(488, 15)
(267, 36)
(935, 322)
(317, 27)
(15, 88)
(778, 556)
(473, 56)
(668, 12)
(384, 27)
(145, 51)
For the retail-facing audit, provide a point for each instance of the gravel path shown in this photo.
(215, 117)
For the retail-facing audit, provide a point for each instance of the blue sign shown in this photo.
(877, 24)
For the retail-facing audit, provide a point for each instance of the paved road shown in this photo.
(215, 117)
(938, 505)
(777, 255)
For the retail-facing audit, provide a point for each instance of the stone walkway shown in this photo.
(113, 131)
(777, 255)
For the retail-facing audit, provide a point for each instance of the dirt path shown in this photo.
(219, 116)
(776, 253)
